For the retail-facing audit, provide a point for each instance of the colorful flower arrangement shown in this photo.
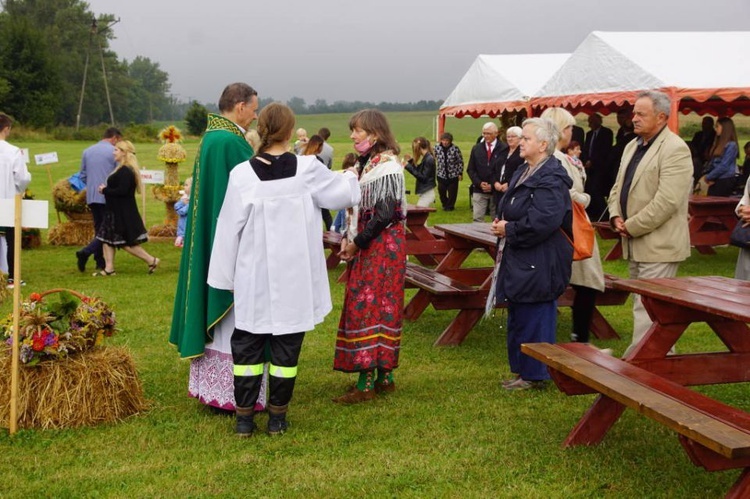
(171, 151)
(51, 330)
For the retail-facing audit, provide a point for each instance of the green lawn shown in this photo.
(449, 429)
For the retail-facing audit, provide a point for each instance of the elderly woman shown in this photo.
(511, 164)
(587, 276)
(534, 254)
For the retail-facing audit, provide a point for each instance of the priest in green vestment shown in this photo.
(199, 309)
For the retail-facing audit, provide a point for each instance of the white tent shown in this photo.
(497, 83)
(705, 72)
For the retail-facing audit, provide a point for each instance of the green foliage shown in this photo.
(196, 119)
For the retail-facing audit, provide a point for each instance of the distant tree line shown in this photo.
(321, 106)
(43, 50)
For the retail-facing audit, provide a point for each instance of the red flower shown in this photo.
(37, 343)
(35, 297)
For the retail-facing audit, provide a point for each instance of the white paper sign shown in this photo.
(34, 214)
(152, 176)
(46, 158)
(25, 154)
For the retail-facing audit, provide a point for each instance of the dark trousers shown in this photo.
(722, 187)
(448, 191)
(583, 309)
(95, 246)
(327, 218)
(10, 251)
(530, 323)
(248, 353)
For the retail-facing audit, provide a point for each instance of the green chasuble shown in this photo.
(198, 307)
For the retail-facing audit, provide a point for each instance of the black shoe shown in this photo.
(277, 424)
(245, 426)
(82, 259)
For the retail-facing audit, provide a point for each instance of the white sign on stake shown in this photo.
(34, 214)
(46, 158)
(25, 155)
(152, 176)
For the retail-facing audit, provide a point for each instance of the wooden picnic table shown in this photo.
(424, 243)
(652, 382)
(711, 220)
(452, 286)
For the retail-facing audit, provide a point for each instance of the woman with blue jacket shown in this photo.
(721, 177)
(534, 253)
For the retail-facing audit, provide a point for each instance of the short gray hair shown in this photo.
(515, 131)
(545, 131)
(662, 102)
(489, 125)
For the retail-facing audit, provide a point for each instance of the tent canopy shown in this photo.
(705, 72)
(497, 83)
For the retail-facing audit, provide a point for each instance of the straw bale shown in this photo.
(96, 386)
(71, 234)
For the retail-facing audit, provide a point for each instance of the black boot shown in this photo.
(277, 424)
(245, 424)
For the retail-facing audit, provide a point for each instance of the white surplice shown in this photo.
(268, 246)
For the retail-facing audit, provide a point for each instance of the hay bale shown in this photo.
(71, 234)
(96, 386)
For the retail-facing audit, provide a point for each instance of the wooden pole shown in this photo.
(51, 188)
(143, 202)
(13, 426)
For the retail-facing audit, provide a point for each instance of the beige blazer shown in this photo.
(657, 201)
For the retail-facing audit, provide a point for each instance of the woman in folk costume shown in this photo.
(369, 335)
(267, 250)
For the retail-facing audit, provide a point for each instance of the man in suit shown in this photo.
(648, 204)
(596, 149)
(624, 135)
(487, 157)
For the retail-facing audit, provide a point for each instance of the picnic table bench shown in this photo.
(450, 286)
(714, 435)
(711, 220)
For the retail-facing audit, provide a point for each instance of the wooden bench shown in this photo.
(461, 289)
(332, 242)
(714, 435)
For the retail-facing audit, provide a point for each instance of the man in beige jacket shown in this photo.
(648, 204)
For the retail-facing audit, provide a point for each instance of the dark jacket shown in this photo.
(424, 172)
(479, 169)
(537, 256)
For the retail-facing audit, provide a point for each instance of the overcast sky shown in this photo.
(382, 50)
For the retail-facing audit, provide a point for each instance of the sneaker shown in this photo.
(82, 258)
(522, 384)
(11, 284)
(510, 381)
(245, 426)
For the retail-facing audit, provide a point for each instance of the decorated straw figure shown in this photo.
(172, 154)
(79, 229)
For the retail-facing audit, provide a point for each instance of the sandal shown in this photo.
(103, 273)
(152, 267)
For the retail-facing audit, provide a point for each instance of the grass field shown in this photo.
(449, 431)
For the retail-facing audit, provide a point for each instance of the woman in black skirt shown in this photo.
(122, 226)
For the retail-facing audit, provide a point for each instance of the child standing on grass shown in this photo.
(267, 250)
(181, 207)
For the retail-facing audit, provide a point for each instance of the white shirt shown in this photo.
(268, 246)
(14, 176)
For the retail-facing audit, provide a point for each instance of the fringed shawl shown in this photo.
(382, 178)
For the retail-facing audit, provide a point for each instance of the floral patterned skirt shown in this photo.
(369, 334)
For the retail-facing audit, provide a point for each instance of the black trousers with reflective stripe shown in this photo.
(249, 349)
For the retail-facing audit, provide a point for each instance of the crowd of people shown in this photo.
(253, 278)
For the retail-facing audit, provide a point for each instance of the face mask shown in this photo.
(364, 146)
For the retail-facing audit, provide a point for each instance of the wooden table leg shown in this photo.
(601, 328)
(417, 305)
(615, 253)
(741, 487)
(595, 424)
(705, 250)
(459, 327)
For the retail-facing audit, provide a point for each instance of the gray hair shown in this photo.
(661, 101)
(489, 125)
(515, 131)
(545, 131)
(560, 117)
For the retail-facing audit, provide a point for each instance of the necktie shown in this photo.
(489, 152)
(593, 139)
